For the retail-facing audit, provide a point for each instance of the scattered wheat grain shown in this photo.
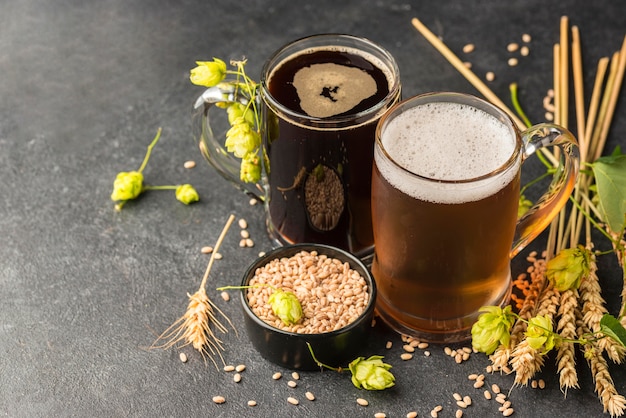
(206, 250)
(189, 164)
(277, 375)
(219, 399)
(225, 296)
(508, 412)
(251, 403)
(406, 356)
(292, 400)
(512, 47)
(240, 368)
(310, 396)
(512, 62)
(237, 378)
(183, 357)
(229, 368)
(362, 402)
(468, 48)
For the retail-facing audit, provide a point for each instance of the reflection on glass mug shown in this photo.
(322, 98)
(445, 194)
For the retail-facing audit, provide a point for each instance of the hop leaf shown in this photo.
(127, 185)
(539, 333)
(566, 270)
(187, 194)
(286, 306)
(492, 328)
(371, 373)
(208, 73)
(241, 139)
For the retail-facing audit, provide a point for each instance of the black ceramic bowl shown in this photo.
(289, 349)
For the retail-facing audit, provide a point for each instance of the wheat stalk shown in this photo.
(566, 360)
(195, 327)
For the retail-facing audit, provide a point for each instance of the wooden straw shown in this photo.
(596, 140)
(615, 90)
(564, 71)
(466, 72)
(579, 93)
(556, 77)
(603, 64)
(577, 69)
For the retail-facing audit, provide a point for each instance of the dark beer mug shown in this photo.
(445, 195)
(322, 98)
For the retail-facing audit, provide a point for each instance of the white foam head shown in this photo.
(450, 142)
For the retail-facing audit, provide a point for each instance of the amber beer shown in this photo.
(445, 192)
(323, 98)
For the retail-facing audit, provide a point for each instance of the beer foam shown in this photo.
(329, 89)
(450, 142)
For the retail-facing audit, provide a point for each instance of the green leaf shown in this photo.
(610, 174)
(611, 327)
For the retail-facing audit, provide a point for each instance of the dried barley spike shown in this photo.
(195, 327)
(566, 359)
(593, 308)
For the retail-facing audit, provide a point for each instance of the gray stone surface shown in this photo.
(84, 290)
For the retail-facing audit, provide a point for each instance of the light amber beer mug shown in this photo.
(445, 195)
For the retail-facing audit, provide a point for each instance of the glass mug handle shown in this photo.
(205, 122)
(538, 217)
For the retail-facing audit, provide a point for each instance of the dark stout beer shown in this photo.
(442, 239)
(322, 106)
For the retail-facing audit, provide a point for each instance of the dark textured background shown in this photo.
(84, 85)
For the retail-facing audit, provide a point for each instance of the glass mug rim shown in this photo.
(342, 42)
(449, 97)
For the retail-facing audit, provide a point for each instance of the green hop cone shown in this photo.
(242, 139)
(187, 194)
(371, 373)
(250, 168)
(524, 206)
(539, 333)
(492, 328)
(127, 186)
(566, 270)
(238, 110)
(286, 306)
(208, 73)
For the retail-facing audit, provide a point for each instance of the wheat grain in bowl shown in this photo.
(331, 293)
(337, 295)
